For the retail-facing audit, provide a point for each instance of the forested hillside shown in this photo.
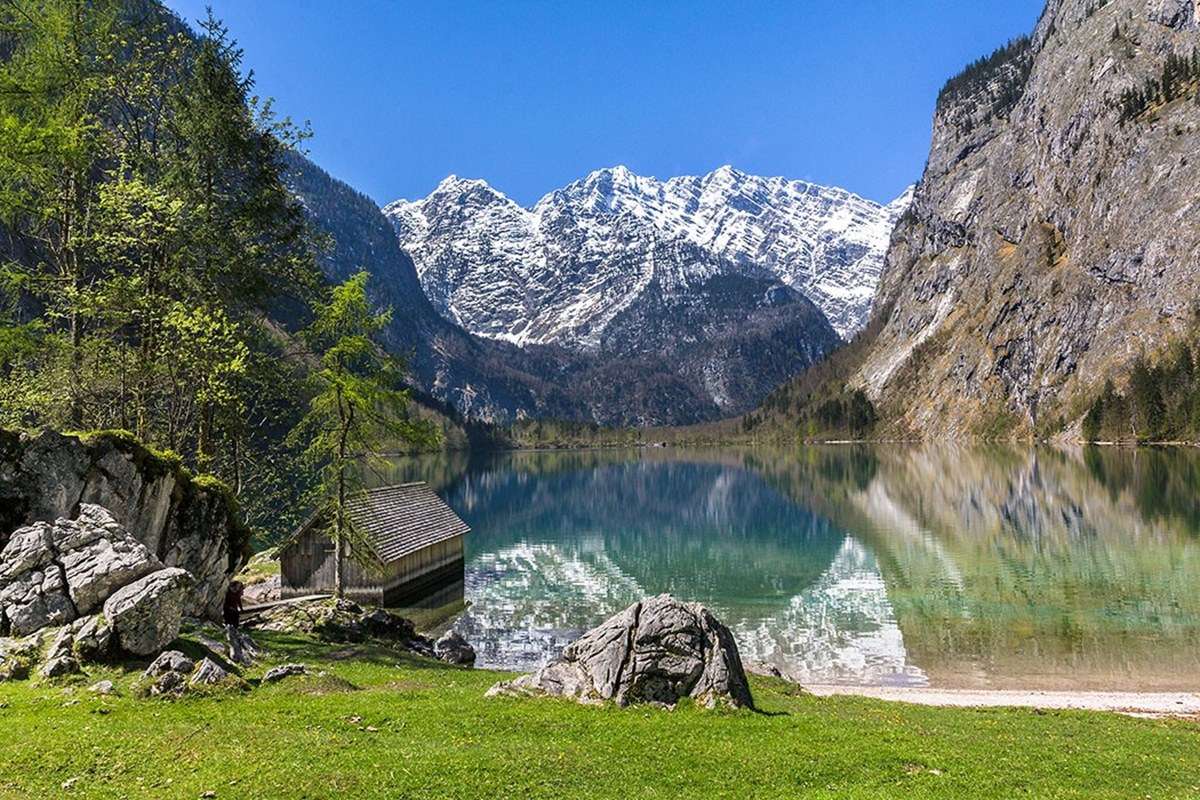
(1044, 282)
(156, 267)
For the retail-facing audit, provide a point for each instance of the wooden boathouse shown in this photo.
(416, 542)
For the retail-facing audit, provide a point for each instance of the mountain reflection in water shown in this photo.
(996, 567)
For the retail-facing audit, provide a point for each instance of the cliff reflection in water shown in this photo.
(1000, 567)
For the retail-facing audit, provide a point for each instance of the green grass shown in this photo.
(383, 725)
(261, 566)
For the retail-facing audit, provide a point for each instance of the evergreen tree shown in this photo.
(1149, 412)
(1093, 421)
(356, 409)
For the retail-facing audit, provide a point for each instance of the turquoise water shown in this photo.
(923, 566)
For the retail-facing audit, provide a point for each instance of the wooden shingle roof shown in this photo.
(400, 520)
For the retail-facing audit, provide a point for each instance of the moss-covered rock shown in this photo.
(186, 521)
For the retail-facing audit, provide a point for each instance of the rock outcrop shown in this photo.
(454, 649)
(345, 621)
(53, 573)
(181, 521)
(659, 650)
(147, 614)
(1053, 237)
(63, 573)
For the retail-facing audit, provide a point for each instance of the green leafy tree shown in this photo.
(52, 142)
(358, 408)
(206, 360)
(148, 238)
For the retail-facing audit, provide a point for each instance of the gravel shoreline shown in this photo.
(1140, 704)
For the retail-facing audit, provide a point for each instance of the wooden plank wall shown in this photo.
(307, 567)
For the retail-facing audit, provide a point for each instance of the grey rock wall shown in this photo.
(179, 521)
(1048, 246)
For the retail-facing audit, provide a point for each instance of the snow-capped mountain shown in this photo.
(562, 271)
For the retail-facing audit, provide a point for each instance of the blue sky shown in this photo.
(532, 95)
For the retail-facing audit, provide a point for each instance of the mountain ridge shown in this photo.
(511, 272)
(753, 335)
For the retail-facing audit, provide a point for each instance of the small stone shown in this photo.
(169, 683)
(94, 640)
(102, 688)
(277, 674)
(454, 649)
(59, 667)
(170, 661)
(62, 644)
(209, 673)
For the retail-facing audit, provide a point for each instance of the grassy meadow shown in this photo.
(378, 724)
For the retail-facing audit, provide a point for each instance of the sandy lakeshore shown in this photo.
(1142, 704)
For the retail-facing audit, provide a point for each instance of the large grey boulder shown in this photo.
(53, 573)
(99, 556)
(33, 588)
(184, 522)
(658, 650)
(147, 614)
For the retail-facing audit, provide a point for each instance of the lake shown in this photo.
(933, 565)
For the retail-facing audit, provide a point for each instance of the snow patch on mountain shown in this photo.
(561, 271)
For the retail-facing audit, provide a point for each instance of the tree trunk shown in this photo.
(339, 549)
(76, 388)
(76, 330)
(339, 557)
(204, 436)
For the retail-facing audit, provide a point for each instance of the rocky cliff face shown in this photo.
(181, 521)
(1049, 241)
